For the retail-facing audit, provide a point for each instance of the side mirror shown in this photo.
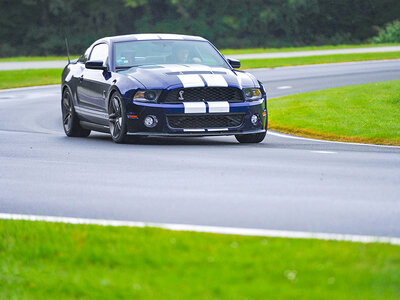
(95, 65)
(234, 63)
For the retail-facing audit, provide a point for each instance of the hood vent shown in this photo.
(195, 72)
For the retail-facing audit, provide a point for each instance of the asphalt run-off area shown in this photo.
(286, 183)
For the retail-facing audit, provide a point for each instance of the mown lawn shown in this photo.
(311, 60)
(41, 260)
(30, 77)
(35, 58)
(367, 113)
(293, 49)
(33, 77)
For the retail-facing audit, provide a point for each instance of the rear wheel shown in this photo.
(70, 119)
(250, 138)
(117, 118)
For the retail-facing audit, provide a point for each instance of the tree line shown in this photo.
(38, 27)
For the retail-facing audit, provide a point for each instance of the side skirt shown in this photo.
(95, 127)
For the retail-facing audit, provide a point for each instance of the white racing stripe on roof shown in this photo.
(194, 107)
(191, 80)
(218, 106)
(214, 80)
(167, 36)
(147, 36)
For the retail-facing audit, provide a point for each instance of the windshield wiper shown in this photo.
(127, 67)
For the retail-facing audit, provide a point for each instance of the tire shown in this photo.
(117, 118)
(250, 138)
(70, 120)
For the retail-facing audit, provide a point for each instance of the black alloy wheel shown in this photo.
(70, 120)
(117, 118)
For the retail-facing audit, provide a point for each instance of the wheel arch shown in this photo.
(113, 89)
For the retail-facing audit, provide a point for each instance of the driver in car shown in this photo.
(182, 56)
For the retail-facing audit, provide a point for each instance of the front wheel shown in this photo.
(250, 138)
(117, 118)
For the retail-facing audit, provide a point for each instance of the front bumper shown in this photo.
(138, 111)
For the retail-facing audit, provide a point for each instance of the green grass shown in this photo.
(58, 261)
(31, 77)
(223, 51)
(310, 60)
(292, 49)
(35, 58)
(367, 113)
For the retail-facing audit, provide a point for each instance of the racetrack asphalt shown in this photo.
(284, 183)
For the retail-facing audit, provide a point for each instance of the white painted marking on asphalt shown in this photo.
(324, 152)
(210, 229)
(194, 107)
(191, 81)
(218, 107)
(215, 80)
(287, 136)
(285, 87)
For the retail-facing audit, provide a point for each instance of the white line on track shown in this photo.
(324, 152)
(287, 136)
(210, 229)
(285, 87)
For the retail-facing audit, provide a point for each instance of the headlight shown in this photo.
(252, 94)
(147, 95)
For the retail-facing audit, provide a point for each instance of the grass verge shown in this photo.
(35, 58)
(310, 60)
(366, 113)
(30, 77)
(223, 51)
(293, 49)
(41, 260)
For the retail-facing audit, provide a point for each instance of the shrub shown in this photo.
(391, 34)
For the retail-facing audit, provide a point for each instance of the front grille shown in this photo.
(205, 121)
(230, 94)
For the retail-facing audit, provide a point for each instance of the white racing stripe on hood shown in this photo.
(191, 80)
(214, 80)
(218, 106)
(194, 107)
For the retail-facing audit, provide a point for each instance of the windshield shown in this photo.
(139, 53)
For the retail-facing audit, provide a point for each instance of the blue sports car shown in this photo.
(161, 85)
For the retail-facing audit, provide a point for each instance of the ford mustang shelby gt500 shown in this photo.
(161, 85)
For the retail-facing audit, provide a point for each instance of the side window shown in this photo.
(84, 57)
(99, 52)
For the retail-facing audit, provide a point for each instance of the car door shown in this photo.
(93, 84)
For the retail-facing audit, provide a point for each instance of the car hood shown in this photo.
(185, 76)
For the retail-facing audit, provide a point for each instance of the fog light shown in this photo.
(150, 121)
(254, 120)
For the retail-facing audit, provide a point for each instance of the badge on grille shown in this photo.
(181, 95)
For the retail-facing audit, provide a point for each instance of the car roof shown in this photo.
(150, 36)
